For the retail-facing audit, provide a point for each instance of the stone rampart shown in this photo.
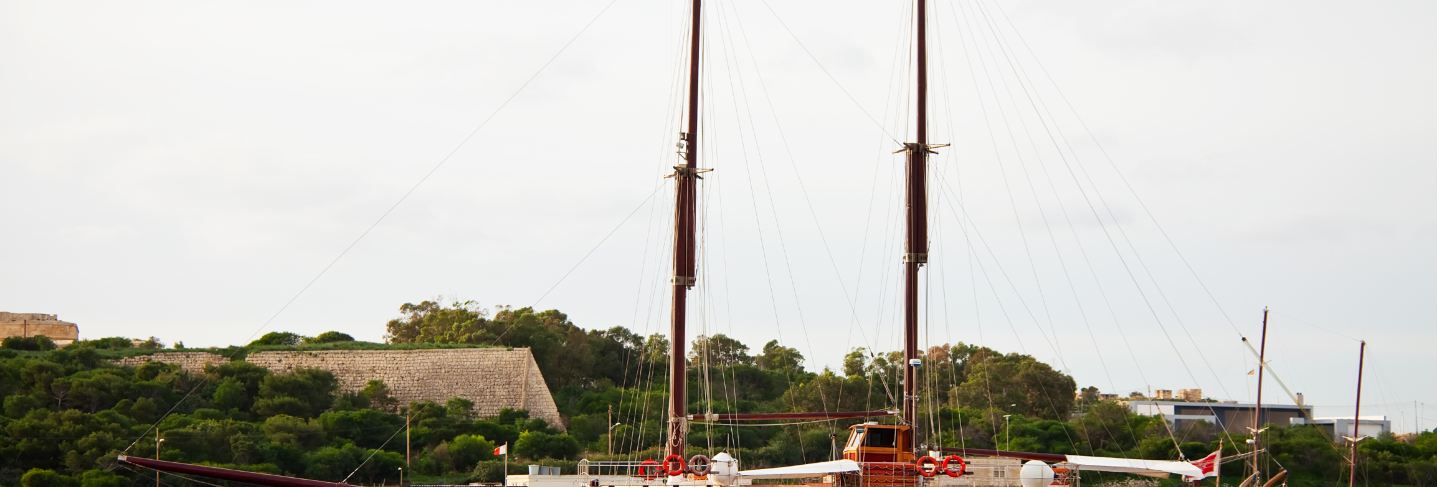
(193, 362)
(492, 378)
(35, 324)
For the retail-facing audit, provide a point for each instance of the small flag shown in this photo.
(502, 449)
(1209, 466)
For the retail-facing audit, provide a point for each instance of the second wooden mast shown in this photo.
(917, 243)
(686, 175)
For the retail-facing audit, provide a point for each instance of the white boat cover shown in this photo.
(808, 470)
(1149, 468)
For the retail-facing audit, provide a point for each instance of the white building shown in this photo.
(1339, 428)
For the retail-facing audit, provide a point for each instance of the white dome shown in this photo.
(723, 465)
(1036, 473)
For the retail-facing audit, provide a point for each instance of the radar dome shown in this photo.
(1036, 473)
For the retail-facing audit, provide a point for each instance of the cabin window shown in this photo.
(880, 438)
(855, 438)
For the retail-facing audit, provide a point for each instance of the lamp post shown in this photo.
(158, 441)
(402, 475)
(1007, 431)
(609, 445)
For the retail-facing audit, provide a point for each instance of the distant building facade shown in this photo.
(1164, 394)
(1233, 417)
(1339, 428)
(38, 324)
(1190, 395)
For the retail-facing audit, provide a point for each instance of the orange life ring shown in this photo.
(674, 465)
(920, 465)
(953, 460)
(649, 469)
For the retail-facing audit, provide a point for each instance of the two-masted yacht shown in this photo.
(881, 451)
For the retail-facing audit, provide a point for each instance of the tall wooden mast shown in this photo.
(916, 238)
(1355, 427)
(1259, 386)
(686, 174)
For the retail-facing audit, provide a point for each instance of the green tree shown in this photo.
(468, 450)
(35, 343)
(44, 477)
(378, 395)
(432, 322)
(539, 444)
(776, 357)
(302, 392)
(719, 351)
(277, 338)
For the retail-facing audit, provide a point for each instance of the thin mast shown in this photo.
(1259, 386)
(684, 258)
(916, 239)
(1355, 435)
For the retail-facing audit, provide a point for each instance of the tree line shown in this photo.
(67, 412)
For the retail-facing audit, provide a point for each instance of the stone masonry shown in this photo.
(33, 324)
(492, 378)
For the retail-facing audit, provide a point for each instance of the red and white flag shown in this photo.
(1209, 466)
(502, 449)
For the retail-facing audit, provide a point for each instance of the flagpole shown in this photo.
(1217, 462)
(505, 468)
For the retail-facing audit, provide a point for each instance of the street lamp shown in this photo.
(1007, 431)
(402, 475)
(609, 445)
(158, 441)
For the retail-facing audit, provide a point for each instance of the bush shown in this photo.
(330, 337)
(539, 444)
(37, 343)
(44, 477)
(277, 338)
(468, 450)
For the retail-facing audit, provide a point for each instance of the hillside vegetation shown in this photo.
(68, 412)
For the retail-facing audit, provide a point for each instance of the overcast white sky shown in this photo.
(182, 169)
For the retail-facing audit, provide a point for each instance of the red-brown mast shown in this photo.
(1259, 387)
(684, 260)
(916, 239)
(1355, 440)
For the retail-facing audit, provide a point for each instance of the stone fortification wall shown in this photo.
(193, 362)
(34, 324)
(492, 378)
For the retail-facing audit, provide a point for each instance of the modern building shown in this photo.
(1233, 417)
(1339, 428)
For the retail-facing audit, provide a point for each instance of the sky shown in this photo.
(1127, 185)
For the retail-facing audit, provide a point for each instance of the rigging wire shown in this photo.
(391, 209)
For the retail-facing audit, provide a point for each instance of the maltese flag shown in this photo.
(502, 449)
(1209, 466)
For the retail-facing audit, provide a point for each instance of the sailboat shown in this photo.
(880, 453)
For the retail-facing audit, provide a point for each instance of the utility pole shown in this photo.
(1355, 441)
(407, 443)
(609, 428)
(158, 440)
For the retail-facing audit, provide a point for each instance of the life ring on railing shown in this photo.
(649, 469)
(953, 460)
(920, 466)
(674, 465)
(699, 465)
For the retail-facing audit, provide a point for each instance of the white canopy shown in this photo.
(1149, 468)
(808, 470)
